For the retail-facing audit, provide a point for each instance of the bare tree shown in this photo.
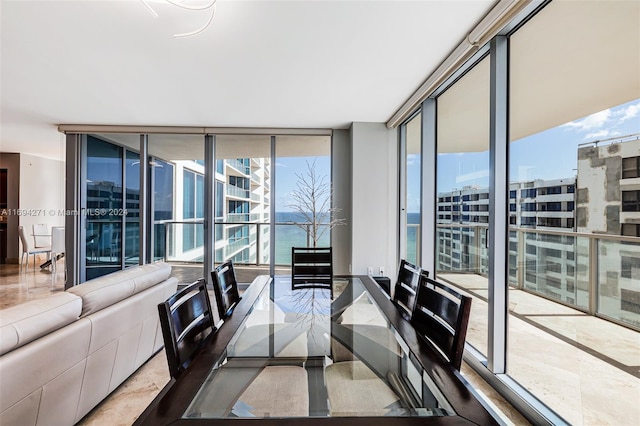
(312, 200)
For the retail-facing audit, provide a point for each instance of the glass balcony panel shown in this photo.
(619, 281)
(184, 241)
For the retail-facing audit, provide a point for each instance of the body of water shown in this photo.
(289, 235)
(412, 237)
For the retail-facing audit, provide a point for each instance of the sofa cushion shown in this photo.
(27, 322)
(104, 291)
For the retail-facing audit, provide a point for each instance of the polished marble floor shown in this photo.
(18, 287)
(128, 401)
(585, 368)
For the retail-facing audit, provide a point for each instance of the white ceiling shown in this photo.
(303, 64)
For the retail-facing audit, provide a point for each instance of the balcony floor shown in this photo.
(585, 368)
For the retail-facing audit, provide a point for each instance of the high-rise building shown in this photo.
(543, 204)
(243, 187)
(608, 199)
(608, 202)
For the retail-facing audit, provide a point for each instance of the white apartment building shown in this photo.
(243, 185)
(242, 195)
(547, 260)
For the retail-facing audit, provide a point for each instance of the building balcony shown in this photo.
(234, 191)
(561, 214)
(573, 315)
(555, 197)
(238, 166)
(243, 217)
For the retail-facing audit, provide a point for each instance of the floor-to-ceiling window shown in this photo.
(104, 207)
(177, 187)
(242, 204)
(462, 205)
(574, 88)
(242, 189)
(303, 202)
(412, 195)
(132, 209)
(162, 195)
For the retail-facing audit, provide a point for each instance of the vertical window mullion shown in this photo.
(402, 193)
(209, 207)
(429, 186)
(498, 206)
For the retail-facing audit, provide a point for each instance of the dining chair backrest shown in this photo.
(57, 239)
(23, 239)
(404, 294)
(311, 267)
(41, 236)
(441, 316)
(225, 287)
(186, 319)
(57, 247)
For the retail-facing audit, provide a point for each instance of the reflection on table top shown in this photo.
(316, 353)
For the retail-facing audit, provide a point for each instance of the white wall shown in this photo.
(41, 192)
(374, 198)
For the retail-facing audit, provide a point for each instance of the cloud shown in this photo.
(596, 135)
(412, 159)
(591, 122)
(596, 124)
(629, 112)
(281, 165)
(472, 176)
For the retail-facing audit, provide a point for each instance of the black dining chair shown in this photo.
(186, 319)
(404, 294)
(441, 317)
(225, 287)
(311, 267)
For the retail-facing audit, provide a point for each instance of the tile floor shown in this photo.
(585, 368)
(128, 401)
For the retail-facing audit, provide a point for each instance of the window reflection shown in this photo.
(104, 207)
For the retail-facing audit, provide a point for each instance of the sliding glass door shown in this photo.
(462, 203)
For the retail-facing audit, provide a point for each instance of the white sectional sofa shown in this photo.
(60, 356)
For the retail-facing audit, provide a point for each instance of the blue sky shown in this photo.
(286, 179)
(551, 154)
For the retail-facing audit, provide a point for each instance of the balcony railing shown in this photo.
(234, 191)
(184, 242)
(595, 273)
(239, 165)
(243, 217)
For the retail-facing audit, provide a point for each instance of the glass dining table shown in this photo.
(332, 354)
